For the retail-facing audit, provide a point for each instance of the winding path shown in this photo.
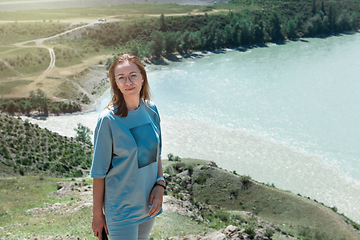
(51, 66)
(51, 51)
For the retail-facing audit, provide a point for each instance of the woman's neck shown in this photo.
(132, 104)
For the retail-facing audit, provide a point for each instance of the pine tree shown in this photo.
(313, 10)
(275, 28)
(163, 26)
(169, 42)
(290, 30)
(323, 7)
(331, 20)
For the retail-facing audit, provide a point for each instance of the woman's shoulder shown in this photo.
(151, 105)
(106, 114)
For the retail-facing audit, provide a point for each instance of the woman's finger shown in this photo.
(156, 207)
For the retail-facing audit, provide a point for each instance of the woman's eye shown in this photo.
(121, 78)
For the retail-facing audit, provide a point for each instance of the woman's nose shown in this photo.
(127, 80)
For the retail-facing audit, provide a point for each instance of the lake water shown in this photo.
(284, 114)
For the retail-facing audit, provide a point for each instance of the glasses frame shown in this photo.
(128, 77)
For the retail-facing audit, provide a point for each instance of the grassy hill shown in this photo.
(27, 149)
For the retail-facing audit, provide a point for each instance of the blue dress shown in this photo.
(126, 153)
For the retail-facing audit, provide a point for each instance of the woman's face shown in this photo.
(128, 79)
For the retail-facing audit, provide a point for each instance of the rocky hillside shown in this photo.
(244, 209)
(27, 149)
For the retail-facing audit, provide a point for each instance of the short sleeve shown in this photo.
(157, 120)
(102, 148)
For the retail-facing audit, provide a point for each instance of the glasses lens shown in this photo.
(121, 79)
(133, 77)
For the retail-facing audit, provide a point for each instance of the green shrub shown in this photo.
(222, 216)
(201, 179)
(269, 232)
(305, 231)
(21, 171)
(170, 157)
(179, 165)
(320, 235)
(169, 170)
(250, 231)
(78, 173)
(246, 181)
(26, 162)
(234, 192)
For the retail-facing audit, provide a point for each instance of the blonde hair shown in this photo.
(118, 101)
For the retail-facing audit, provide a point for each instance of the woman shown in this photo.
(128, 181)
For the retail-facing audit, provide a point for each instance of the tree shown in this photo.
(109, 61)
(2, 102)
(134, 48)
(332, 21)
(246, 36)
(259, 32)
(313, 10)
(326, 24)
(163, 26)
(323, 7)
(299, 22)
(228, 32)
(344, 21)
(275, 28)
(317, 23)
(290, 30)
(11, 106)
(83, 134)
(42, 101)
(169, 42)
(157, 44)
(236, 34)
(33, 99)
(353, 20)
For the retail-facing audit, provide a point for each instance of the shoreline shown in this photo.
(165, 61)
(155, 65)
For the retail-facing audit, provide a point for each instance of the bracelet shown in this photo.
(158, 184)
(160, 178)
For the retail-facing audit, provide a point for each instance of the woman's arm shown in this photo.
(99, 221)
(156, 195)
(160, 170)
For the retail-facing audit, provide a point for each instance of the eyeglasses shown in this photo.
(133, 77)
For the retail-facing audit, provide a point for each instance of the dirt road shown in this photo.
(51, 66)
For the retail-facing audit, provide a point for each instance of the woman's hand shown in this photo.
(156, 200)
(98, 223)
